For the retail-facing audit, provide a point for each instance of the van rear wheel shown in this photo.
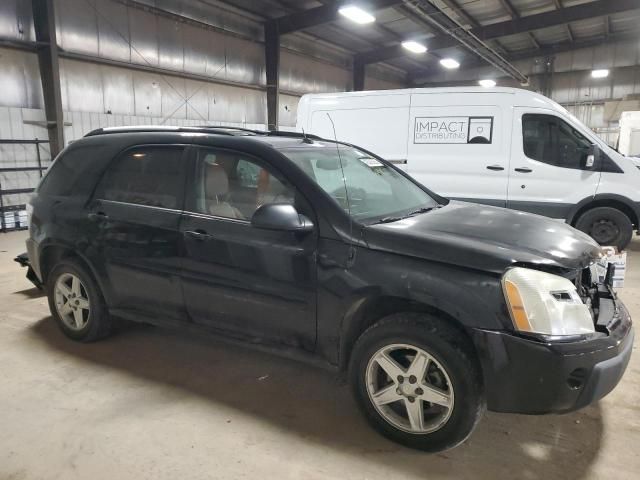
(606, 225)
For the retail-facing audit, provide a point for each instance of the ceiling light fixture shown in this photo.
(600, 73)
(487, 83)
(449, 63)
(414, 47)
(356, 14)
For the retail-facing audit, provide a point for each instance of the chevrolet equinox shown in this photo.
(319, 250)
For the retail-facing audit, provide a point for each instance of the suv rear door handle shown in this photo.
(524, 170)
(495, 168)
(97, 216)
(198, 234)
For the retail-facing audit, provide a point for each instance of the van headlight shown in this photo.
(544, 303)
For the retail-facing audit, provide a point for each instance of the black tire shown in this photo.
(450, 349)
(606, 225)
(98, 322)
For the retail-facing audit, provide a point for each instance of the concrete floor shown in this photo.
(150, 403)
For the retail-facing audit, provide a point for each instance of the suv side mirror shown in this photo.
(281, 216)
(592, 158)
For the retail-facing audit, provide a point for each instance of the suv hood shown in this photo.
(486, 238)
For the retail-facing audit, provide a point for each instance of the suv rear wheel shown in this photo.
(417, 382)
(606, 225)
(76, 302)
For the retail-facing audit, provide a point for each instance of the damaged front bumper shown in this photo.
(525, 375)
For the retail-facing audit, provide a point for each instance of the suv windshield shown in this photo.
(376, 192)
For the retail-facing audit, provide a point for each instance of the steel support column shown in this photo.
(47, 49)
(272, 64)
(358, 74)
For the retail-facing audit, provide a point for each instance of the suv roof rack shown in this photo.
(154, 128)
(217, 129)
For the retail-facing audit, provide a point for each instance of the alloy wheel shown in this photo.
(409, 388)
(72, 301)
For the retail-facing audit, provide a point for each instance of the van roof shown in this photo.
(521, 96)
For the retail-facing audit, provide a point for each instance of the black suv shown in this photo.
(323, 251)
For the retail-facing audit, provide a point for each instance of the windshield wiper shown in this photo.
(422, 210)
(389, 219)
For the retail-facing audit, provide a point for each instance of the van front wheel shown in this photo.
(606, 225)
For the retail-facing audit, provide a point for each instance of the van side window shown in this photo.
(152, 176)
(548, 139)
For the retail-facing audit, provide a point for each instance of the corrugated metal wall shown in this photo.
(209, 69)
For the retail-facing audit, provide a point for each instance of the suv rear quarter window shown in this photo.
(149, 175)
(74, 173)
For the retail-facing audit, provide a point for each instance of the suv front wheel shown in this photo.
(76, 302)
(417, 382)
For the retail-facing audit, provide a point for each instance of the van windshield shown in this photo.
(376, 192)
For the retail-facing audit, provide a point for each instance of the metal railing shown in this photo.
(15, 191)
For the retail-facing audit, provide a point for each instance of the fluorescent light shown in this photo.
(449, 63)
(600, 73)
(356, 14)
(487, 83)
(414, 47)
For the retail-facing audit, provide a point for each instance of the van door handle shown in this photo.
(524, 170)
(199, 235)
(495, 168)
(98, 217)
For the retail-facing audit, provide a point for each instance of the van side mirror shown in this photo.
(281, 216)
(592, 158)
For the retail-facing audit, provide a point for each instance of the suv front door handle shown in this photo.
(495, 168)
(98, 216)
(198, 234)
(524, 170)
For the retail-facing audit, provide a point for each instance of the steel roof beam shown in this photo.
(323, 14)
(526, 24)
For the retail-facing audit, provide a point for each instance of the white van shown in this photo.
(502, 146)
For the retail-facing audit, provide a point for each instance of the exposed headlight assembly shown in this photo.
(544, 303)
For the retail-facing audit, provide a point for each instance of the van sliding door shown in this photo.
(458, 149)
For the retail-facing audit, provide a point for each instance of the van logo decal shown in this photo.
(453, 130)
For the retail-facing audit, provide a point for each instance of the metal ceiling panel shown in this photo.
(514, 43)
(552, 35)
(486, 11)
(77, 26)
(623, 22)
(532, 7)
(113, 31)
(589, 28)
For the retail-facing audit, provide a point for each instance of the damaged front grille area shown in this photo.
(599, 297)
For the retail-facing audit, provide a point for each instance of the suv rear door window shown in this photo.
(151, 176)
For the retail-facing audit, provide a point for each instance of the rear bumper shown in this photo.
(23, 260)
(527, 376)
